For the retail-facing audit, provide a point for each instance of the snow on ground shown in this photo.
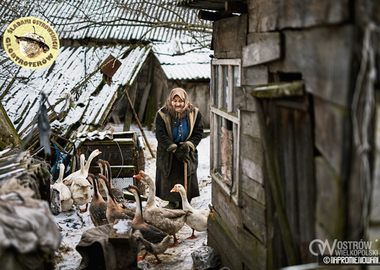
(179, 257)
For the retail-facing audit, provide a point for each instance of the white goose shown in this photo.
(83, 171)
(81, 192)
(197, 219)
(64, 191)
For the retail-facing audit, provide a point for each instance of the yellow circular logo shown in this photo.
(31, 43)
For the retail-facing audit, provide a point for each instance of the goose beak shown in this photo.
(137, 176)
(174, 189)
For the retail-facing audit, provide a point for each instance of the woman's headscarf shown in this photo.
(181, 93)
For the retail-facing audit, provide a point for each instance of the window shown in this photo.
(224, 87)
(225, 123)
(215, 80)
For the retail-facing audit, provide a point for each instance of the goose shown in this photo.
(81, 192)
(64, 191)
(117, 193)
(98, 206)
(114, 211)
(167, 220)
(68, 180)
(197, 219)
(153, 239)
(103, 171)
(83, 171)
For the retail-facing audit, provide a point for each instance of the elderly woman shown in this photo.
(179, 129)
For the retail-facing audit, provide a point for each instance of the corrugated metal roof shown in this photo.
(94, 135)
(184, 72)
(71, 67)
(154, 20)
(183, 61)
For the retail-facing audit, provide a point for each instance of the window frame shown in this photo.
(230, 113)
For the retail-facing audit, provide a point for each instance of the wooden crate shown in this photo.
(123, 152)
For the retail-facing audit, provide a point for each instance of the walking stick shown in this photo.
(138, 122)
(185, 180)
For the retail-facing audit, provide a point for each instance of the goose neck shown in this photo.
(138, 213)
(185, 203)
(152, 197)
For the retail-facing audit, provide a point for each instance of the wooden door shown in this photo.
(290, 130)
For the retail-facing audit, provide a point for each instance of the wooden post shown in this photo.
(185, 174)
(138, 122)
(128, 116)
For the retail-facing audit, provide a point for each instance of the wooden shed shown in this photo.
(294, 147)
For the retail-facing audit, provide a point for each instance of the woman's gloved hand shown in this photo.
(185, 146)
(183, 152)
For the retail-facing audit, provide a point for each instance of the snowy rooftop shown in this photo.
(183, 61)
(20, 98)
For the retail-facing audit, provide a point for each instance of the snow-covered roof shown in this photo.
(172, 29)
(153, 20)
(21, 97)
(183, 61)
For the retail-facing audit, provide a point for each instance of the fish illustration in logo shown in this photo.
(32, 44)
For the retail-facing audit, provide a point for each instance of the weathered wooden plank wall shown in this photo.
(227, 32)
(318, 42)
(265, 16)
(261, 48)
(330, 210)
(323, 56)
(332, 141)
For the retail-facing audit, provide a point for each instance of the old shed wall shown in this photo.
(319, 44)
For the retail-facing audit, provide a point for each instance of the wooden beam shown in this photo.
(276, 90)
(235, 7)
(209, 16)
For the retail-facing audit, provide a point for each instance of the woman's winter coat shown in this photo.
(169, 168)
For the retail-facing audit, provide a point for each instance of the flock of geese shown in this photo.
(155, 224)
